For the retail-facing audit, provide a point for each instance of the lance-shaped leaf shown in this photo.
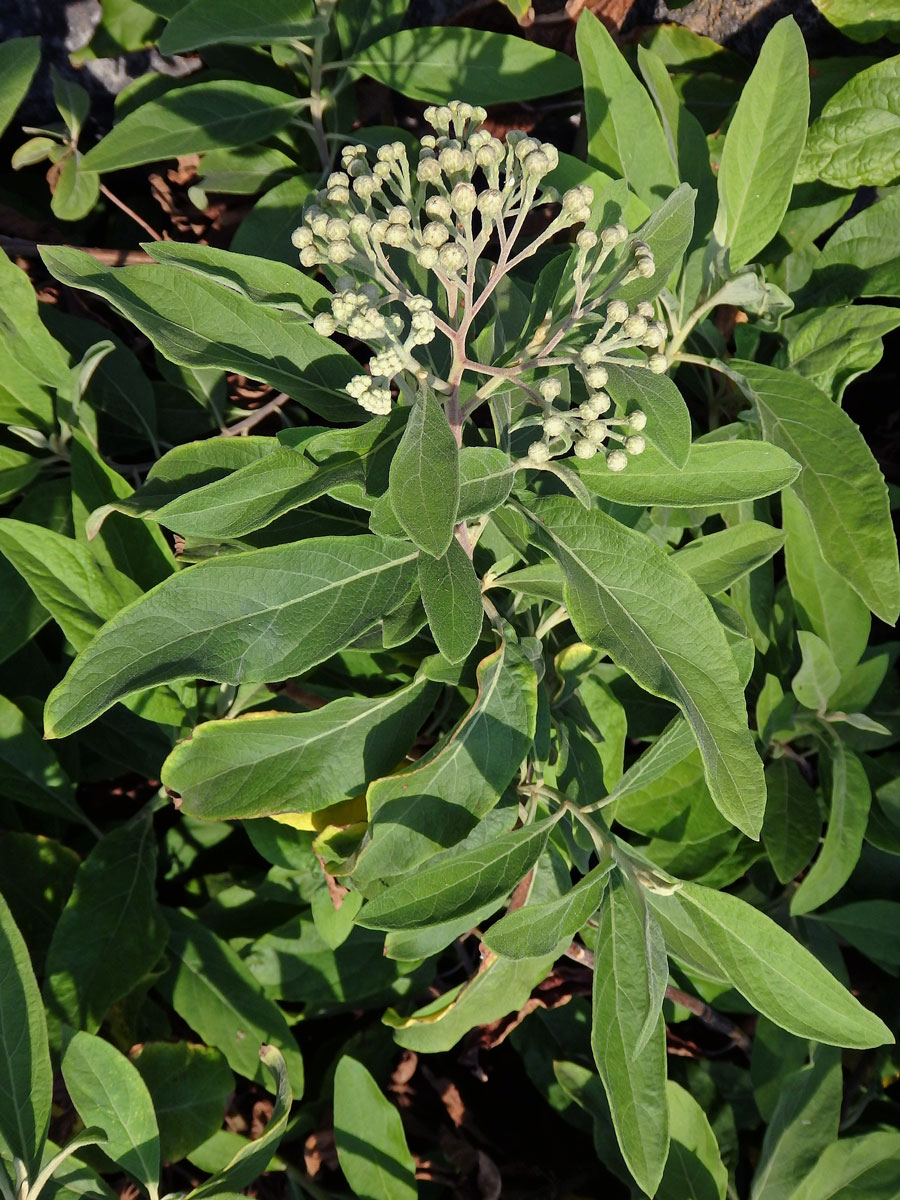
(726, 939)
(851, 797)
(30, 772)
(627, 1005)
(715, 473)
(716, 561)
(840, 485)
(107, 1091)
(247, 618)
(369, 1137)
(668, 420)
(437, 801)
(673, 746)
(213, 992)
(424, 478)
(191, 119)
(536, 929)
(190, 1086)
(19, 58)
(266, 763)
(251, 1160)
(231, 22)
(791, 829)
(625, 595)
(110, 933)
(763, 145)
(854, 1167)
(451, 594)
(26, 1081)
(458, 883)
(486, 477)
(197, 322)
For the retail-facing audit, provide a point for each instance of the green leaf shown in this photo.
(763, 146)
(833, 346)
(460, 779)
(486, 477)
(230, 22)
(872, 927)
(627, 1003)
(859, 259)
(694, 1160)
(715, 473)
(672, 747)
(258, 279)
(668, 420)
(818, 676)
(369, 1138)
(189, 1086)
(537, 929)
(76, 191)
(439, 63)
(424, 477)
(823, 601)
(451, 594)
(26, 1080)
(865, 1166)
(191, 119)
(716, 561)
(862, 20)
(668, 233)
(250, 617)
(30, 772)
(19, 58)
(851, 797)
(198, 323)
(213, 992)
(251, 1160)
(624, 135)
(107, 1091)
(459, 883)
(266, 231)
(855, 142)
(792, 824)
(624, 594)
(111, 933)
(265, 763)
(840, 485)
(725, 938)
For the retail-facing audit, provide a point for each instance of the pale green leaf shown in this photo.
(369, 1138)
(818, 676)
(866, 1167)
(668, 420)
(19, 58)
(792, 823)
(862, 20)
(536, 929)
(230, 22)
(424, 477)
(833, 346)
(694, 1167)
(451, 594)
(716, 561)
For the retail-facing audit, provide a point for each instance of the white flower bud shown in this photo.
(554, 425)
(587, 412)
(539, 452)
(360, 225)
(478, 114)
(302, 237)
(339, 252)
(600, 403)
(428, 141)
(382, 172)
(549, 389)
(464, 198)
(337, 230)
(452, 160)
(536, 164)
(309, 256)
(366, 186)
(427, 258)
(324, 324)
(490, 204)
(319, 224)
(479, 138)
(596, 432)
(439, 207)
(635, 444)
(617, 311)
(338, 179)
(452, 258)
(613, 235)
(584, 448)
(658, 364)
(338, 195)
(378, 230)
(635, 326)
(637, 420)
(400, 215)
(572, 202)
(552, 154)
(645, 309)
(428, 170)
(490, 154)
(590, 355)
(652, 337)
(586, 240)
(617, 460)
(596, 378)
(645, 267)
(396, 235)
(525, 146)
(641, 250)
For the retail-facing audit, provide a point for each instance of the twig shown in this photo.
(255, 417)
(129, 212)
(23, 248)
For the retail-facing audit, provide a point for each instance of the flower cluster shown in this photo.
(389, 231)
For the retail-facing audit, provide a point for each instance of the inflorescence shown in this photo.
(387, 227)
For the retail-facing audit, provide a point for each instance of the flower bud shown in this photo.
(584, 448)
(324, 324)
(617, 311)
(549, 389)
(525, 146)
(586, 240)
(339, 252)
(596, 378)
(400, 215)
(396, 235)
(490, 154)
(378, 231)
(428, 170)
(617, 460)
(590, 355)
(645, 267)
(309, 256)
(652, 337)
(302, 237)
(658, 364)
(338, 195)
(637, 420)
(635, 326)
(464, 198)
(319, 224)
(452, 258)
(337, 230)
(600, 403)
(554, 425)
(435, 234)
(596, 432)
(366, 186)
(536, 164)
(338, 179)
(439, 207)
(539, 452)
(635, 444)
(452, 161)
(360, 225)
(613, 235)
(645, 309)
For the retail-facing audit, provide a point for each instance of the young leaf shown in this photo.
(667, 232)
(486, 477)
(19, 58)
(209, 621)
(436, 64)
(792, 824)
(424, 477)
(369, 1138)
(451, 594)
(668, 420)
(626, 1004)
(266, 763)
(213, 992)
(191, 119)
(229, 22)
(833, 346)
(867, 1165)
(111, 933)
(716, 561)
(725, 938)
(613, 604)
(458, 883)
(26, 1080)
(694, 1160)
(763, 146)
(849, 812)
(76, 191)
(714, 473)
(818, 676)
(189, 1086)
(624, 135)
(460, 780)
(536, 929)
(107, 1091)
(855, 141)
(848, 507)
(251, 1160)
